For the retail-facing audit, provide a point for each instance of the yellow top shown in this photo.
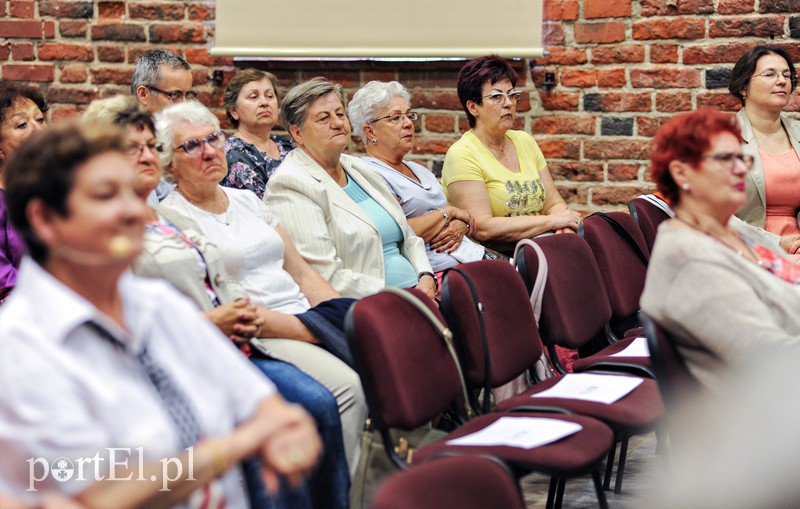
(510, 194)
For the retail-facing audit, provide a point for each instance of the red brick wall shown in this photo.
(621, 68)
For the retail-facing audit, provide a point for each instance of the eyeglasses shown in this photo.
(176, 95)
(398, 117)
(194, 148)
(499, 97)
(772, 75)
(728, 159)
(135, 149)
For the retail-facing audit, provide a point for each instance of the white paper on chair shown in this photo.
(598, 388)
(522, 432)
(637, 348)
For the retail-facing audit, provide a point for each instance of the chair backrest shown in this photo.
(675, 382)
(466, 482)
(621, 253)
(648, 216)
(575, 307)
(509, 328)
(407, 372)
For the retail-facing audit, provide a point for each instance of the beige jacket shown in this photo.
(754, 211)
(721, 308)
(168, 257)
(331, 231)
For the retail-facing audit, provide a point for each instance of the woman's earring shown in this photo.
(685, 186)
(374, 141)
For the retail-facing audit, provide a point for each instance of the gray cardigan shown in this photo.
(721, 308)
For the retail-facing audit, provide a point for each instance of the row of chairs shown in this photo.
(591, 296)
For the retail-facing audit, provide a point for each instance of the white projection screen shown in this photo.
(378, 28)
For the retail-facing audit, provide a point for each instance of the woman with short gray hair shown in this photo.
(338, 211)
(381, 115)
(301, 310)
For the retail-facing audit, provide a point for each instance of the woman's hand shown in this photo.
(427, 285)
(461, 215)
(239, 321)
(449, 238)
(564, 220)
(284, 436)
(790, 243)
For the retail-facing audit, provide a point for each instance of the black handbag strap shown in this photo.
(443, 332)
(625, 235)
(487, 360)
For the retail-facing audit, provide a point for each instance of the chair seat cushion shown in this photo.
(576, 454)
(605, 355)
(638, 412)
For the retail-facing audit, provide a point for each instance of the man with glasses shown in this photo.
(160, 79)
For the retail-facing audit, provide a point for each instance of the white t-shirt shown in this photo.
(252, 250)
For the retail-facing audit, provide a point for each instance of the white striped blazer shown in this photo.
(330, 230)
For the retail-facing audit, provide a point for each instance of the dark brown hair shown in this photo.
(475, 73)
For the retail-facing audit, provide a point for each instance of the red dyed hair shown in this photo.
(686, 138)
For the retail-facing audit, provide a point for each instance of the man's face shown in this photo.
(175, 82)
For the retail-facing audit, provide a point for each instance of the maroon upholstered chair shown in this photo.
(465, 482)
(499, 340)
(409, 377)
(674, 380)
(648, 216)
(622, 256)
(575, 307)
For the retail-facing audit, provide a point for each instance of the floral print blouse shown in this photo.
(248, 167)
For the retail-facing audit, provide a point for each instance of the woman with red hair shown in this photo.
(724, 292)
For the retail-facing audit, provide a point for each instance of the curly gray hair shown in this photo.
(370, 99)
(170, 119)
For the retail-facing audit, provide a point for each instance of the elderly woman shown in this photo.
(174, 250)
(723, 292)
(496, 173)
(130, 378)
(251, 104)
(340, 214)
(259, 256)
(21, 114)
(380, 114)
(764, 79)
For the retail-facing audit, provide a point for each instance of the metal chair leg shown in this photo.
(609, 466)
(598, 488)
(623, 456)
(560, 492)
(551, 493)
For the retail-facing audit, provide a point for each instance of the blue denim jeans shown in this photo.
(329, 485)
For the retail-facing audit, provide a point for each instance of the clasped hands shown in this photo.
(239, 321)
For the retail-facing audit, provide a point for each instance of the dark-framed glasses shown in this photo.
(396, 118)
(176, 95)
(194, 148)
(772, 75)
(135, 149)
(728, 159)
(498, 97)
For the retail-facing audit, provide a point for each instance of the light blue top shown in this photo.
(416, 199)
(398, 270)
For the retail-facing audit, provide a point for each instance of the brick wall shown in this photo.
(620, 68)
